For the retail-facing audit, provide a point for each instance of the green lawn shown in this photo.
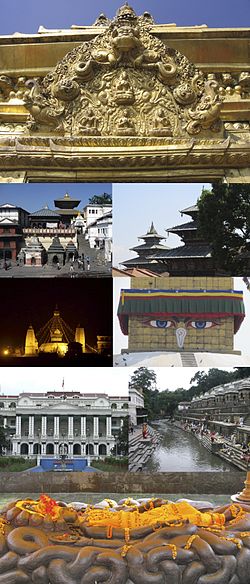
(10, 464)
(111, 464)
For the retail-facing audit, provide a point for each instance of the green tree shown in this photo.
(202, 381)
(241, 372)
(224, 222)
(144, 380)
(104, 199)
(122, 439)
(3, 440)
(169, 400)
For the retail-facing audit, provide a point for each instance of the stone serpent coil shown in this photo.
(62, 547)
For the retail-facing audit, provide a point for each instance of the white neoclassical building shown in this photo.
(62, 422)
(137, 412)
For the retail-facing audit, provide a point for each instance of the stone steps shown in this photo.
(141, 449)
(188, 360)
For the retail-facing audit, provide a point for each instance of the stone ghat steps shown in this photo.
(141, 449)
(188, 360)
(95, 255)
(234, 456)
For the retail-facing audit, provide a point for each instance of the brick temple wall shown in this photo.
(144, 337)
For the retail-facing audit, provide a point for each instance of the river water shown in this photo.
(180, 451)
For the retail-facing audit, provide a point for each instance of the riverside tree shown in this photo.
(224, 222)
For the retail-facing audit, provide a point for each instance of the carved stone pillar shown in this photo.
(83, 426)
(44, 426)
(96, 427)
(18, 425)
(108, 427)
(56, 426)
(70, 427)
(31, 425)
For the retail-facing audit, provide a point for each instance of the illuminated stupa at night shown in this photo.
(53, 337)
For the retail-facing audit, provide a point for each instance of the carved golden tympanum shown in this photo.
(125, 82)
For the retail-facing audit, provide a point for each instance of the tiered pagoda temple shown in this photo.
(147, 250)
(66, 208)
(192, 258)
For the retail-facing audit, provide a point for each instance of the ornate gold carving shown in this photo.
(125, 82)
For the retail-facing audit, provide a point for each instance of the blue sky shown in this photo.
(32, 197)
(26, 15)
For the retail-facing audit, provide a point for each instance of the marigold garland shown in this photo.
(169, 513)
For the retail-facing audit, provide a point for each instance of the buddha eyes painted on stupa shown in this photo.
(196, 324)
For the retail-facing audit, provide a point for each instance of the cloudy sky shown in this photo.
(85, 379)
(113, 382)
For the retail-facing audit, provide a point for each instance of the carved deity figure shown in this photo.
(161, 124)
(124, 124)
(124, 94)
(88, 122)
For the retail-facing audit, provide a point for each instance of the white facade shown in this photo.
(136, 400)
(93, 212)
(99, 235)
(14, 214)
(53, 423)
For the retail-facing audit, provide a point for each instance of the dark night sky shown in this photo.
(25, 302)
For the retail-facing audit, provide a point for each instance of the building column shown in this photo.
(96, 453)
(83, 450)
(44, 426)
(14, 447)
(5, 422)
(56, 449)
(96, 427)
(70, 427)
(30, 448)
(83, 426)
(108, 449)
(43, 448)
(70, 449)
(31, 425)
(56, 426)
(108, 427)
(18, 448)
(18, 425)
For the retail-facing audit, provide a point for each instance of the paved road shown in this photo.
(52, 272)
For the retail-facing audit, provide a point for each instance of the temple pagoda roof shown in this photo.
(139, 261)
(189, 226)
(66, 202)
(45, 212)
(151, 244)
(189, 210)
(184, 251)
(152, 234)
(145, 246)
(56, 246)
